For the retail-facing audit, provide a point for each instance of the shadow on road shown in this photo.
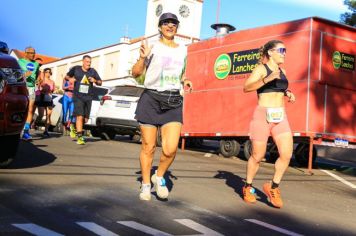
(29, 155)
(236, 183)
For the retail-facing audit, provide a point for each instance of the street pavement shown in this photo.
(56, 187)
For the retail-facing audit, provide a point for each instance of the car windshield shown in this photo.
(129, 91)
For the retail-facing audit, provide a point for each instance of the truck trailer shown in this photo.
(320, 67)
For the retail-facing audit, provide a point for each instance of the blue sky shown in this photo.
(62, 28)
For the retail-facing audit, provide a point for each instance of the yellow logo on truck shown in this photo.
(336, 60)
(222, 66)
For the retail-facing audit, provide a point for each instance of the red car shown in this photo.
(13, 105)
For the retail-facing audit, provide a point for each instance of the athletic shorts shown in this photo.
(260, 129)
(82, 107)
(149, 112)
(44, 100)
(31, 93)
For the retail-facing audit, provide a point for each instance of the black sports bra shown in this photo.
(277, 85)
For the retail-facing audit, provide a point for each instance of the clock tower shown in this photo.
(189, 13)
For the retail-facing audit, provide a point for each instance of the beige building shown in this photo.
(114, 62)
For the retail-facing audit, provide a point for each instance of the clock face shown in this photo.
(159, 9)
(184, 11)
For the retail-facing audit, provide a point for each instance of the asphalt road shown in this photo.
(56, 187)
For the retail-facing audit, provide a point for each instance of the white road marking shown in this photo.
(340, 179)
(198, 227)
(97, 229)
(143, 228)
(275, 228)
(36, 230)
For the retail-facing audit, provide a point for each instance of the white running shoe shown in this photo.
(160, 186)
(145, 193)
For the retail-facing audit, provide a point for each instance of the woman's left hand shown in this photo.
(188, 83)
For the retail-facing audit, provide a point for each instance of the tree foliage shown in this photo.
(349, 17)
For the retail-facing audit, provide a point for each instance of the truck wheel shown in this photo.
(273, 153)
(301, 154)
(11, 143)
(229, 148)
(247, 149)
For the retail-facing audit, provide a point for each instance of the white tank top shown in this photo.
(166, 67)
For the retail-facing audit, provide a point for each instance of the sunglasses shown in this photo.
(30, 52)
(173, 23)
(280, 50)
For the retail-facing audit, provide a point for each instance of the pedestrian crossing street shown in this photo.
(38, 230)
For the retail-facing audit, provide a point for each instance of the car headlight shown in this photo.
(12, 75)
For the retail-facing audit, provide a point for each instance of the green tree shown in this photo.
(349, 17)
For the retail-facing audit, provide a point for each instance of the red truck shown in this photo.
(320, 66)
(13, 105)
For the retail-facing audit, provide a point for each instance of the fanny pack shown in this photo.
(275, 114)
(167, 99)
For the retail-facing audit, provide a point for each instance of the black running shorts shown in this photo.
(82, 107)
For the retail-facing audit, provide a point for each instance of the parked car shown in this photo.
(13, 105)
(117, 111)
(99, 92)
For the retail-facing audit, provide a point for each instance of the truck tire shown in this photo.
(229, 147)
(301, 154)
(273, 153)
(11, 143)
(247, 149)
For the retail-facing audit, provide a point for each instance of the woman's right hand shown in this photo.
(145, 49)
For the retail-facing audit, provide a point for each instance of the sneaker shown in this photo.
(249, 194)
(160, 185)
(274, 195)
(145, 193)
(45, 133)
(26, 136)
(73, 132)
(81, 140)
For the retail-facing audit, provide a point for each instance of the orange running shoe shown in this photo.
(249, 194)
(274, 195)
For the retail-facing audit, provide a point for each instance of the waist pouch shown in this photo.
(167, 99)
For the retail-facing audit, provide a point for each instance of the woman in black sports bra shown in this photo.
(269, 118)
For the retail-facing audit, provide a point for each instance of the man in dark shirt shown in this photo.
(83, 77)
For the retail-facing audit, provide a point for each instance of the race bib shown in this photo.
(169, 81)
(83, 88)
(275, 115)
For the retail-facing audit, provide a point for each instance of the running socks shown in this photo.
(274, 185)
(27, 126)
